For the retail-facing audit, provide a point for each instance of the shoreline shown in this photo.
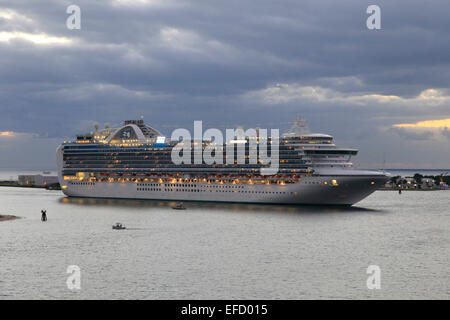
(15, 184)
(7, 217)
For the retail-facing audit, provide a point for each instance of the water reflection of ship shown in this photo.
(212, 206)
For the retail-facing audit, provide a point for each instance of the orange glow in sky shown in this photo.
(426, 124)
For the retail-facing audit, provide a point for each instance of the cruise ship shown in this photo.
(134, 161)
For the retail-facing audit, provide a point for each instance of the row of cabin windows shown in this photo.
(188, 185)
(68, 150)
(165, 154)
(82, 183)
(167, 161)
(232, 191)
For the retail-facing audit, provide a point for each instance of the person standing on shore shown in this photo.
(43, 215)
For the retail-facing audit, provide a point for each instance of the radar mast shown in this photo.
(299, 127)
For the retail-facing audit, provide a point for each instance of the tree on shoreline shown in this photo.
(418, 177)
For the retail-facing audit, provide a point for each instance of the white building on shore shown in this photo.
(428, 183)
(37, 180)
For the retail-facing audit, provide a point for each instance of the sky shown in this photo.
(228, 63)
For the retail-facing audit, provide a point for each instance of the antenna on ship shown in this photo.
(300, 126)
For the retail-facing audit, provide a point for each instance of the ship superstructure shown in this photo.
(135, 161)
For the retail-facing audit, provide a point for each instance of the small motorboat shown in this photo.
(118, 226)
(179, 206)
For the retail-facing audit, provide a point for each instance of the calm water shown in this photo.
(218, 251)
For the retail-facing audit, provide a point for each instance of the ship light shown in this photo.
(334, 182)
(236, 141)
(373, 182)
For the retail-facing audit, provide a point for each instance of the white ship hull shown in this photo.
(311, 190)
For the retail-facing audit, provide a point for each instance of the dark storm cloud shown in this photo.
(177, 61)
